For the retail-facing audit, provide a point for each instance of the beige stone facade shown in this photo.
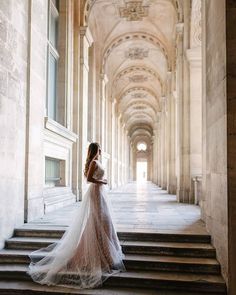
(122, 73)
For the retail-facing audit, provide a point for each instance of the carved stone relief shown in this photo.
(138, 78)
(139, 95)
(136, 53)
(134, 11)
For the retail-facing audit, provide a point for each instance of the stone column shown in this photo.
(158, 151)
(182, 136)
(134, 166)
(155, 166)
(195, 66)
(119, 150)
(218, 146)
(103, 134)
(195, 71)
(35, 107)
(171, 172)
(85, 42)
(113, 142)
(163, 146)
(131, 171)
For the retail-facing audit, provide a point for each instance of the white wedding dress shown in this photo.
(89, 251)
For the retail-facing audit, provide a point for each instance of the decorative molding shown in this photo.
(194, 56)
(85, 32)
(138, 78)
(196, 18)
(134, 11)
(138, 89)
(59, 129)
(144, 103)
(139, 69)
(136, 53)
(139, 95)
(139, 107)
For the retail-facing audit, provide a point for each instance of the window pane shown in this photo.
(56, 4)
(52, 170)
(53, 30)
(52, 93)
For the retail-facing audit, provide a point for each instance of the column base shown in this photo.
(171, 189)
(183, 196)
(164, 187)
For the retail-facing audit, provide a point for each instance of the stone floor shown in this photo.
(140, 207)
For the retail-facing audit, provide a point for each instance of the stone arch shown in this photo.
(140, 68)
(138, 88)
(143, 36)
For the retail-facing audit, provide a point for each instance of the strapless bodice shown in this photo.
(99, 171)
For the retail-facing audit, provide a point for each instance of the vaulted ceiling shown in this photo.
(135, 48)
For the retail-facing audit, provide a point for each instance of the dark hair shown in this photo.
(92, 152)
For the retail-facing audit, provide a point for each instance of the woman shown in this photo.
(89, 251)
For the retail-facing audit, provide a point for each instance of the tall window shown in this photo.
(57, 35)
(53, 58)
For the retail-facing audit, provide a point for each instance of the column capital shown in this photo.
(104, 78)
(85, 32)
(194, 56)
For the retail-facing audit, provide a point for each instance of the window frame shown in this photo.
(52, 50)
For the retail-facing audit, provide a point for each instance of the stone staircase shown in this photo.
(157, 263)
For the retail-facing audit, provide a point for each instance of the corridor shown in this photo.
(153, 83)
(139, 207)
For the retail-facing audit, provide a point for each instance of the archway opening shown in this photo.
(141, 171)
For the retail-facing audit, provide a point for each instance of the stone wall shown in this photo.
(214, 203)
(13, 80)
(231, 139)
(37, 65)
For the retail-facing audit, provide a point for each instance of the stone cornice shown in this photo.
(59, 129)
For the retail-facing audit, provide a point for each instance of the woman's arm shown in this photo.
(91, 170)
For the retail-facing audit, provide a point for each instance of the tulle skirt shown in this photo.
(89, 251)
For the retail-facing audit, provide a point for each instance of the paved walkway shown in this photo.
(140, 207)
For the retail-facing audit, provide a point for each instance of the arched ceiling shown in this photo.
(135, 47)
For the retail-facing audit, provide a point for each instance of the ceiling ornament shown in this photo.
(88, 5)
(136, 53)
(134, 11)
(138, 79)
(139, 107)
(139, 95)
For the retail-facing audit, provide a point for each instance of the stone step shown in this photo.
(129, 247)
(169, 249)
(31, 288)
(141, 279)
(133, 262)
(48, 232)
(28, 243)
